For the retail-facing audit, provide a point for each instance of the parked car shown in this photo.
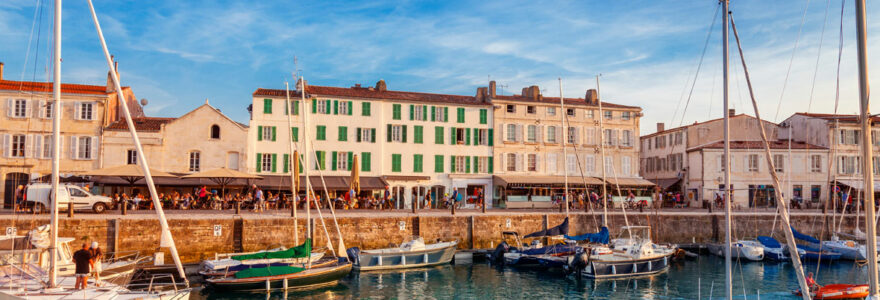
(38, 195)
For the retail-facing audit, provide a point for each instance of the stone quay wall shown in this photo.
(200, 237)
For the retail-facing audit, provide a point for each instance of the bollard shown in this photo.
(238, 207)
(453, 207)
(70, 209)
(124, 207)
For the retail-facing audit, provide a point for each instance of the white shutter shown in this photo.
(519, 132)
(77, 107)
(538, 167)
(7, 140)
(501, 132)
(39, 111)
(73, 153)
(38, 146)
(501, 163)
(539, 134)
(9, 108)
(28, 111)
(577, 135)
(95, 145)
(519, 162)
(28, 146)
(558, 131)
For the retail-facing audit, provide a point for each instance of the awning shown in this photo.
(857, 184)
(332, 182)
(544, 181)
(629, 182)
(406, 178)
(665, 183)
(161, 181)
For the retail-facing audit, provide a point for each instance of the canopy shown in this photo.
(303, 250)
(769, 242)
(857, 184)
(562, 229)
(601, 237)
(333, 182)
(628, 181)
(545, 181)
(665, 183)
(222, 173)
(804, 237)
(126, 171)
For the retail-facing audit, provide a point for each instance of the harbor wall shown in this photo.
(197, 238)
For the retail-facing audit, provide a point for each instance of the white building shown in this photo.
(413, 143)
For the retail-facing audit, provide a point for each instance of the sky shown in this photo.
(176, 54)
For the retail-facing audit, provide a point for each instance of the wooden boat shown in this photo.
(411, 254)
(229, 263)
(300, 279)
(839, 291)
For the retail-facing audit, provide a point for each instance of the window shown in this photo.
(625, 115)
(551, 134)
(321, 133)
(533, 162)
(46, 111)
(815, 192)
(366, 161)
(484, 116)
(571, 164)
(590, 136)
(215, 132)
(438, 135)
(438, 163)
(418, 134)
(344, 107)
(849, 137)
(511, 108)
(343, 134)
(625, 165)
(395, 111)
(483, 164)
(609, 165)
(320, 158)
(626, 139)
(531, 133)
(608, 114)
(460, 114)
(194, 161)
(848, 164)
(797, 192)
(417, 163)
(461, 164)
(398, 133)
(460, 138)
(779, 163)
(17, 108)
(815, 163)
(551, 163)
(679, 137)
(365, 109)
(417, 112)
(18, 144)
(590, 164)
(511, 132)
(342, 160)
(511, 162)
(131, 157)
(395, 163)
(267, 106)
(876, 165)
(483, 137)
(753, 163)
(266, 162)
(86, 111)
(551, 111)
(531, 109)
(84, 147)
(323, 108)
(722, 162)
(572, 135)
(590, 114)
(266, 133)
(366, 135)
(610, 137)
(570, 112)
(439, 114)
(47, 146)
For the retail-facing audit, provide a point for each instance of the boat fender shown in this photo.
(498, 254)
(354, 255)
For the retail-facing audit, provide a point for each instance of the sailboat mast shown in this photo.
(728, 286)
(166, 238)
(307, 157)
(602, 154)
(56, 152)
(292, 159)
(868, 171)
(563, 115)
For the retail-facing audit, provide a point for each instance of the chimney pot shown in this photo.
(1, 70)
(731, 112)
(492, 88)
(661, 127)
(380, 86)
(592, 97)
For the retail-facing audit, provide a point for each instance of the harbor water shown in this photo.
(700, 278)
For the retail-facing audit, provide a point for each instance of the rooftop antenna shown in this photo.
(502, 86)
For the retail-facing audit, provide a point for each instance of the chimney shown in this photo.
(357, 85)
(482, 94)
(491, 83)
(592, 97)
(300, 83)
(661, 127)
(731, 111)
(532, 92)
(110, 86)
(1, 70)
(380, 86)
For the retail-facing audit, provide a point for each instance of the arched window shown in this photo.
(215, 131)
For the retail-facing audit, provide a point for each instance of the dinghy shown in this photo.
(838, 291)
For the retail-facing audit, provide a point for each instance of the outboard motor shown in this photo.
(578, 262)
(354, 255)
(498, 254)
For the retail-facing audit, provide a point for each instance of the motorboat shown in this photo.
(632, 254)
(775, 251)
(848, 249)
(838, 291)
(817, 254)
(744, 249)
(534, 254)
(410, 254)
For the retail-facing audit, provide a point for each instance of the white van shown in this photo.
(38, 195)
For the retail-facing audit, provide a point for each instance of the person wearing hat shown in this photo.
(97, 255)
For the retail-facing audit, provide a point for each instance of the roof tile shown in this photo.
(46, 87)
(141, 124)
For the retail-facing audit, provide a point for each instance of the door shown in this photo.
(80, 198)
(232, 160)
(13, 180)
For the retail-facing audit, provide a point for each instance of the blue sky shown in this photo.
(177, 53)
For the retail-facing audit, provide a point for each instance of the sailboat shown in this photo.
(27, 281)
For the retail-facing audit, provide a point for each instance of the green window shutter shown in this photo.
(314, 106)
(274, 163)
(295, 133)
(433, 109)
(350, 160)
(286, 163)
(319, 133)
(365, 161)
(424, 112)
(438, 135)
(483, 116)
(358, 134)
(365, 108)
(388, 132)
(295, 107)
(343, 133)
(415, 163)
(460, 115)
(395, 162)
(327, 106)
(446, 114)
(412, 112)
(452, 164)
(476, 136)
(467, 164)
(403, 134)
(335, 107)
(273, 133)
(267, 106)
(417, 133)
(491, 137)
(259, 133)
(349, 108)
(491, 165)
(467, 136)
(452, 135)
(286, 107)
(333, 160)
(476, 165)
(259, 162)
(372, 135)
(395, 113)
(438, 163)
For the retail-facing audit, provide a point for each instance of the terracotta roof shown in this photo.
(568, 101)
(46, 87)
(372, 93)
(839, 117)
(697, 123)
(758, 145)
(141, 124)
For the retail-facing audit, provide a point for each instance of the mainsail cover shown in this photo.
(267, 271)
(769, 242)
(803, 237)
(562, 229)
(303, 250)
(601, 237)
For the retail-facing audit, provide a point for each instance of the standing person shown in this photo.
(19, 197)
(83, 259)
(258, 199)
(386, 197)
(97, 256)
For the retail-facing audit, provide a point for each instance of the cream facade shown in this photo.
(417, 144)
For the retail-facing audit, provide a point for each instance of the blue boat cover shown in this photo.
(601, 237)
(769, 242)
(803, 237)
(562, 229)
(555, 249)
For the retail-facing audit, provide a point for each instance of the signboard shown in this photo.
(507, 224)
(402, 225)
(218, 230)
(11, 231)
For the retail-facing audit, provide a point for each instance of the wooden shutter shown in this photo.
(452, 136)
(389, 133)
(286, 162)
(259, 133)
(259, 162)
(433, 109)
(314, 106)
(335, 107)
(491, 138)
(424, 112)
(273, 133)
(95, 147)
(350, 160)
(349, 107)
(333, 160)
(372, 135)
(403, 133)
(358, 134)
(411, 112)
(446, 114)
(274, 163)
(467, 136)
(73, 152)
